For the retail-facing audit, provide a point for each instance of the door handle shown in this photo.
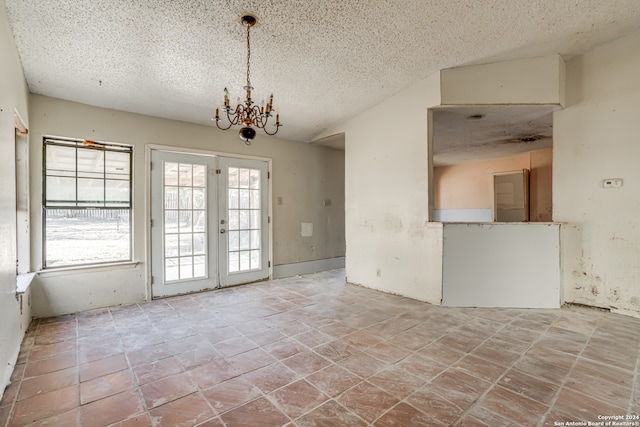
(222, 231)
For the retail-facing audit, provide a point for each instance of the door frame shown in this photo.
(526, 186)
(147, 201)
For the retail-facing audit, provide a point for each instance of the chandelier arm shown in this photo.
(238, 115)
(220, 127)
(233, 117)
(274, 132)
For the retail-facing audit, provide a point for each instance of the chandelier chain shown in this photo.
(248, 54)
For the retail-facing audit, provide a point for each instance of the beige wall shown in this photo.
(470, 185)
(391, 244)
(303, 176)
(596, 137)
(13, 97)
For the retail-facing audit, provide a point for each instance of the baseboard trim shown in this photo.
(307, 267)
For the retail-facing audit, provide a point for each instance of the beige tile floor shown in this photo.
(312, 351)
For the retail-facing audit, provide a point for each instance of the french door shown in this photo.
(209, 222)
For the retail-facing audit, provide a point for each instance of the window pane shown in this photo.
(185, 175)
(185, 221)
(199, 243)
(117, 164)
(61, 189)
(199, 266)
(186, 198)
(199, 221)
(233, 198)
(186, 267)
(234, 221)
(244, 178)
(255, 260)
(171, 222)
(171, 173)
(234, 240)
(244, 220)
(117, 191)
(91, 191)
(234, 262)
(171, 245)
(255, 239)
(255, 219)
(79, 236)
(171, 269)
(233, 177)
(255, 179)
(199, 175)
(90, 160)
(244, 199)
(255, 199)
(245, 261)
(199, 198)
(171, 198)
(244, 240)
(186, 244)
(61, 159)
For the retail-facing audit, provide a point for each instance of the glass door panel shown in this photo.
(183, 191)
(244, 211)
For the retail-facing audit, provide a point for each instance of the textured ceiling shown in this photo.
(473, 133)
(324, 60)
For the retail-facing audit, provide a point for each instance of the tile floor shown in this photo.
(312, 351)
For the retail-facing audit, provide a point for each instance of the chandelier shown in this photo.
(247, 113)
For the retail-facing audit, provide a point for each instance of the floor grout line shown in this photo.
(341, 310)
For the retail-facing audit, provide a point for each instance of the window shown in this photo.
(86, 202)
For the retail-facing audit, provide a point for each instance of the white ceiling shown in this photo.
(324, 60)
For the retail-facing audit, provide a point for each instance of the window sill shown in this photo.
(23, 281)
(59, 271)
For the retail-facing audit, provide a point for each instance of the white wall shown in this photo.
(520, 270)
(390, 244)
(13, 97)
(597, 137)
(303, 176)
(528, 81)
